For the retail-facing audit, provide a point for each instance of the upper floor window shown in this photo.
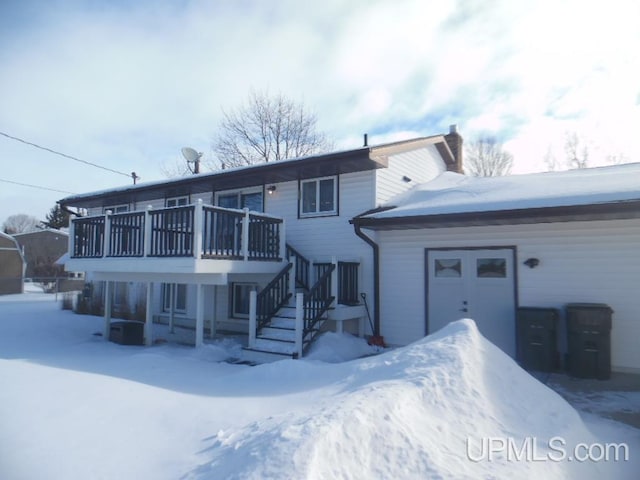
(177, 201)
(117, 208)
(242, 199)
(319, 197)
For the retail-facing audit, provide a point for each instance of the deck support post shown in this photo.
(72, 238)
(334, 280)
(108, 301)
(299, 322)
(199, 315)
(212, 321)
(106, 240)
(283, 239)
(292, 280)
(148, 322)
(197, 229)
(253, 315)
(245, 235)
(172, 306)
(147, 231)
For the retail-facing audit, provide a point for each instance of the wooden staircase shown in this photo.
(278, 340)
(283, 330)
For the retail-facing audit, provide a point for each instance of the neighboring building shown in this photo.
(201, 255)
(42, 248)
(481, 247)
(12, 266)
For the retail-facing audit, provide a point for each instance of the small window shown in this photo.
(240, 298)
(448, 268)
(491, 268)
(177, 201)
(180, 297)
(318, 197)
(117, 208)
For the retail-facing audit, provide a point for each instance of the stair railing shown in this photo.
(301, 267)
(317, 302)
(272, 297)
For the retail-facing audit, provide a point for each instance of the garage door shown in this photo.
(477, 284)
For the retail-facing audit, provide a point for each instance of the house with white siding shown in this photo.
(481, 248)
(266, 249)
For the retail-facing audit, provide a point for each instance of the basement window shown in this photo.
(240, 298)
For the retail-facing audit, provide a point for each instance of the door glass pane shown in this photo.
(326, 195)
(309, 197)
(228, 201)
(448, 267)
(491, 268)
(252, 201)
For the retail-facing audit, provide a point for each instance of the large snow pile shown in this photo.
(74, 406)
(416, 412)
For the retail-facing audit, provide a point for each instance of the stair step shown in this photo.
(283, 322)
(274, 346)
(280, 333)
(254, 356)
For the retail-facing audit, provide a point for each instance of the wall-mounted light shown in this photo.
(406, 179)
(271, 189)
(532, 262)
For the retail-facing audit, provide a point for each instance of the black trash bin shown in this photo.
(536, 338)
(126, 332)
(589, 340)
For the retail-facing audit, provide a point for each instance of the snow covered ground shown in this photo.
(73, 406)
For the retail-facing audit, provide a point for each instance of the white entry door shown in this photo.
(476, 284)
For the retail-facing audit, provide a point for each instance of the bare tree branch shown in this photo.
(485, 157)
(21, 223)
(267, 129)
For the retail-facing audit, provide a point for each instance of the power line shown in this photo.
(35, 186)
(67, 156)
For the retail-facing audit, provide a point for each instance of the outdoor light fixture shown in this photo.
(532, 262)
(406, 179)
(271, 189)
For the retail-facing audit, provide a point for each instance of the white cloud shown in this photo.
(127, 85)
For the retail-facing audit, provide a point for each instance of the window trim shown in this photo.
(336, 197)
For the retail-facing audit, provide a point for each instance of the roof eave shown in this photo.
(571, 213)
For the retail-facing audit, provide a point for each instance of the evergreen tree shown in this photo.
(57, 218)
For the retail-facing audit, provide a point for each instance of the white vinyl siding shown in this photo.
(593, 262)
(419, 166)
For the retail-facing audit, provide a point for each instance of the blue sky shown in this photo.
(128, 84)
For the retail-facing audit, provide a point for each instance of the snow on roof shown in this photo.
(62, 231)
(452, 193)
(226, 171)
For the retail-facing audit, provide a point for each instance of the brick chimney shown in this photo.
(454, 140)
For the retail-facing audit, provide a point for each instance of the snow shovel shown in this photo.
(377, 340)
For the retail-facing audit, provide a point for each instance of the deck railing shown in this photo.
(198, 231)
(87, 237)
(127, 235)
